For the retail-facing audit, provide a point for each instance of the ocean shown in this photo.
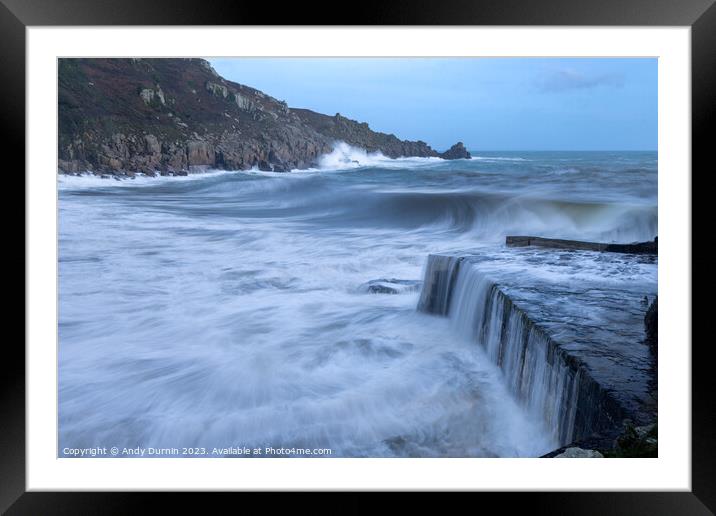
(234, 310)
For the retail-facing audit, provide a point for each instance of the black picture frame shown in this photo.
(17, 15)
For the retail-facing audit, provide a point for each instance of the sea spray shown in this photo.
(534, 372)
(565, 329)
(226, 309)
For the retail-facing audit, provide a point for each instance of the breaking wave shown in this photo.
(345, 156)
(226, 309)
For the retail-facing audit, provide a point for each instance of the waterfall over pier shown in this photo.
(566, 329)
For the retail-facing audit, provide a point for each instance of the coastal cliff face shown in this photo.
(124, 116)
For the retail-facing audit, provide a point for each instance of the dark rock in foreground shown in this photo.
(636, 441)
(175, 115)
(632, 442)
(578, 453)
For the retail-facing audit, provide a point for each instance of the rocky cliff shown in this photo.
(124, 116)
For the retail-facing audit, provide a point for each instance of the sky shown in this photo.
(487, 103)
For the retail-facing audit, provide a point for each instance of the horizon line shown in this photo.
(561, 150)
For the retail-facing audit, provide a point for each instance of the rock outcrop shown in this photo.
(340, 128)
(390, 286)
(579, 453)
(636, 441)
(122, 116)
(457, 151)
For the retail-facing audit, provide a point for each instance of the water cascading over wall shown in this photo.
(550, 383)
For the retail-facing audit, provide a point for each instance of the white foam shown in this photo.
(345, 156)
(90, 180)
(237, 309)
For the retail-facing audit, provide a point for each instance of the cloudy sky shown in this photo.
(489, 103)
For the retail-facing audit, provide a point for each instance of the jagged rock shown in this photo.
(457, 151)
(199, 153)
(126, 121)
(209, 68)
(243, 102)
(579, 453)
(218, 90)
(147, 95)
(643, 432)
(71, 166)
(636, 441)
(340, 128)
(152, 145)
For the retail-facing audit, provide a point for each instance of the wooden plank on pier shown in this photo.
(650, 247)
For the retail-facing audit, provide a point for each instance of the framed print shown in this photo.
(423, 252)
